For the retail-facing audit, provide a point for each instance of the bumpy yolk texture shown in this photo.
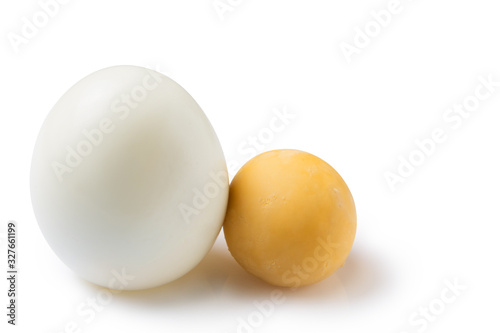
(291, 218)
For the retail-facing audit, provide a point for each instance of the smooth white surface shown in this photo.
(128, 176)
(442, 223)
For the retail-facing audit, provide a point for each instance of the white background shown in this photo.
(441, 224)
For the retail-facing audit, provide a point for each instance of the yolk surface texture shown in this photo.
(291, 218)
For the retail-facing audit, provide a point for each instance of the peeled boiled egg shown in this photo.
(291, 218)
(128, 180)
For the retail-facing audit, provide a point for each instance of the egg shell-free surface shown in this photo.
(128, 176)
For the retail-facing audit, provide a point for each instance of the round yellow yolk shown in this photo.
(291, 218)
